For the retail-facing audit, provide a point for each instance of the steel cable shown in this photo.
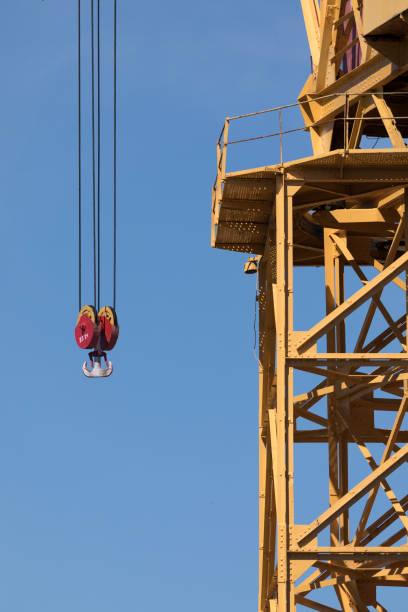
(99, 158)
(93, 146)
(96, 154)
(114, 148)
(79, 165)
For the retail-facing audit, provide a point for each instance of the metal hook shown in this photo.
(97, 370)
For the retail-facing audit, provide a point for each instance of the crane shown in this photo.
(344, 209)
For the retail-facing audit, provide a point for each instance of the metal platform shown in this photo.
(356, 178)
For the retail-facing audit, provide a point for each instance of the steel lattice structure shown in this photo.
(343, 208)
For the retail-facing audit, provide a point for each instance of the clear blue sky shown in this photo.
(139, 492)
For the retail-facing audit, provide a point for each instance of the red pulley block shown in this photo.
(88, 329)
(109, 327)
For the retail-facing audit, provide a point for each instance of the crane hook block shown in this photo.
(108, 321)
(97, 370)
(100, 333)
(88, 329)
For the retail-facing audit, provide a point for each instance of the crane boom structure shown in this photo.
(344, 209)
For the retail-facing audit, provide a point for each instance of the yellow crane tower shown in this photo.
(344, 207)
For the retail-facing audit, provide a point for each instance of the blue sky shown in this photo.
(139, 492)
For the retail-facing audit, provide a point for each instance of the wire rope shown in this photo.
(79, 165)
(96, 153)
(99, 157)
(93, 146)
(114, 148)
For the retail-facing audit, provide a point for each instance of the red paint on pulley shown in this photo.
(86, 332)
(109, 327)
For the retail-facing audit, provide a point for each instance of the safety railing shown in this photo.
(350, 99)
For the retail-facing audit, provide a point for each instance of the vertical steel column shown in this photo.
(337, 442)
(343, 443)
(405, 218)
(265, 468)
(267, 433)
(286, 602)
(334, 493)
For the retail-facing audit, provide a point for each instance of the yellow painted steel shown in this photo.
(108, 313)
(88, 311)
(344, 207)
